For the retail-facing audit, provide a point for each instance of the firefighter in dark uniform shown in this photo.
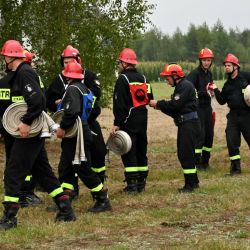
(54, 95)
(183, 109)
(132, 93)
(73, 105)
(238, 118)
(201, 77)
(28, 155)
(27, 195)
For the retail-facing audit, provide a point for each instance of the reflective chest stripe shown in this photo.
(41, 83)
(149, 91)
(94, 99)
(4, 94)
(17, 99)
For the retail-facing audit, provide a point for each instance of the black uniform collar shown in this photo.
(200, 68)
(129, 70)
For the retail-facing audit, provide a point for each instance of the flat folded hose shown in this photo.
(120, 143)
(72, 132)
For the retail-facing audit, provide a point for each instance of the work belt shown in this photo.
(185, 117)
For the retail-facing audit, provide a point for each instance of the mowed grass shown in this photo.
(216, 216)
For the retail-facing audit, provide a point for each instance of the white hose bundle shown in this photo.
(12, 118)
(69, 133)
(247, 95)
(74, 131)
(120, 143)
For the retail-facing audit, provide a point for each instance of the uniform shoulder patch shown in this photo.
(28, 87)
(176, 97)
(97, 82)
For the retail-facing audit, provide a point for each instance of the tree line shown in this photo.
(158, 48)
(153, 45)
(99, 29)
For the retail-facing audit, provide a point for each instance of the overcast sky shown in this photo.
(170, 14)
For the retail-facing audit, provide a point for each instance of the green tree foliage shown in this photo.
(98, 28)
(158, 48)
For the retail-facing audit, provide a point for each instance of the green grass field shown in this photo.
(162, 89)
(216, 216)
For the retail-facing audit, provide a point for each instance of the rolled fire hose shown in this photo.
(69, 133)
(247, 95)
(42, 125)
(120, 143)
(75, 131)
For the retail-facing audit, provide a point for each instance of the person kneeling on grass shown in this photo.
(183, 108)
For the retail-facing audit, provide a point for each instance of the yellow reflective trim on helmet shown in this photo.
(4, 94)
(98, 188)
(190, 171)
(67, 186)
(56, 192)
(99, 170)
(243, 91)
(235, 157)
(11, 199)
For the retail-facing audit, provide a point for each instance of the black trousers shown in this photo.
(187, 135)
(29, 183)
(67, 170)
(97, 149)
(206, 137)
(136, 160)
(28, 156)
(238, 122)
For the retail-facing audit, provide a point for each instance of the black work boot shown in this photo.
(141, 181)
(102, 203)
(187, 188)
(235, 168)
(191, 182)
(65, 212)
(29, 199)
(131, 187)
(9, 219)
(205, 160)
(72, 196)
(131, 179)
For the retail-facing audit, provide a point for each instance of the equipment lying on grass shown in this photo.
(120, 143)
(43, 124)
